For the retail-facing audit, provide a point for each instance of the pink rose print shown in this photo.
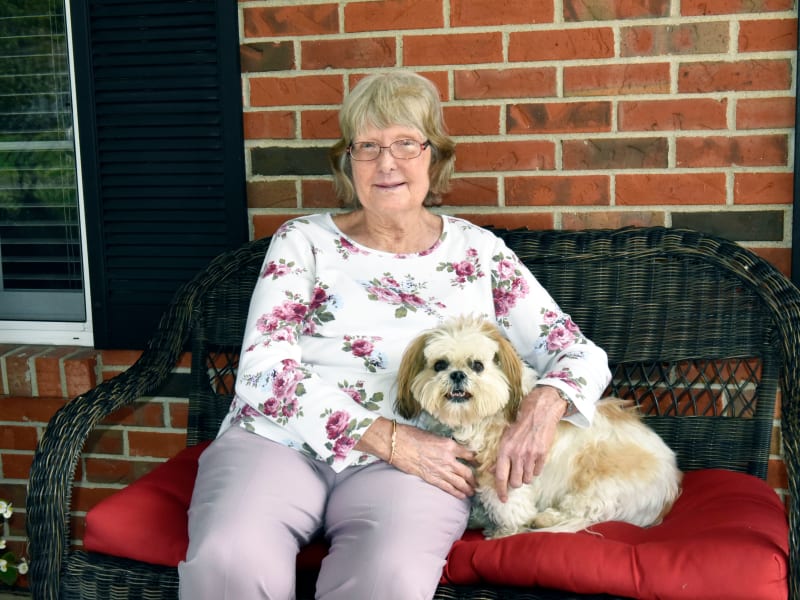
(505, 269)
(294, 312)
(272, 407)
(337, 424)
(570, 325)
(412, 300)
(281, 388)
(295, 316)
(267, 323)
(290, 408)
(562, 375)
(558, 331)
(284, 334)
(566, 376)
(503, 302)
(318, 298)
(465, 271)
(559, 338)
(508, 285)
(550, 316)
(249, 411)
(520, 287)
(359, 394)
(289, 311)
(385, 295)
(276, 269)
(285, 382)
(343, 446)
(405, 295)
(347, 245)
(345, 248)
(362, 347)
(353, 393)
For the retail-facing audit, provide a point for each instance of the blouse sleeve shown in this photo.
(546, 337)
(273, 379)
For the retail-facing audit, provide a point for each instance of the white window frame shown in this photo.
(60, 333)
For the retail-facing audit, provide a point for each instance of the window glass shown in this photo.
(41, 275)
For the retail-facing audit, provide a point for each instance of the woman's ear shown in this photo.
(410, 366)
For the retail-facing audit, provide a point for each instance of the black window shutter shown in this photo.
(162, 152)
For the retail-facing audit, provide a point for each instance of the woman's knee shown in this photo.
(390, 574)
(228, 567)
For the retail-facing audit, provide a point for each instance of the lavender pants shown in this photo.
(257, 502)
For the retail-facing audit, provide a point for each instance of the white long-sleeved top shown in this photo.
(329, 320)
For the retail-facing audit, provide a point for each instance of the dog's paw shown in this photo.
(501, 532)
(549, 517)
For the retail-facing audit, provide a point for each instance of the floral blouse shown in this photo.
(329, 320)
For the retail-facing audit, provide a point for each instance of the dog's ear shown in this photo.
(511, 364)
(412, 363)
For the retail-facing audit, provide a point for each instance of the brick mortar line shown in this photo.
(559, 98)
(558, 64)
(505, 30)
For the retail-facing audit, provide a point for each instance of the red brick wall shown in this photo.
(36, 382)
(570, 114)
(580, 113)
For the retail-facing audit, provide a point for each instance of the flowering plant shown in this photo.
(11, 567)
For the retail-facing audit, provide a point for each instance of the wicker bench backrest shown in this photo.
(687, 333)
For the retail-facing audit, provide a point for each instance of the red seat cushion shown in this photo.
(147, 520)
(726, 537)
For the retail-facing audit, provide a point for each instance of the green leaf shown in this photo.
(9, 577)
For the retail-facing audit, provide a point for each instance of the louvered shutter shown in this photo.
(160, 118)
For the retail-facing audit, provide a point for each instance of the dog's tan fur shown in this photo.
(616, 469)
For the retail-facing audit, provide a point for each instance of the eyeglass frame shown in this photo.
(422, 147)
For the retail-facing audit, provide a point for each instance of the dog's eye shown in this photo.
(440, 365)
(477, 366)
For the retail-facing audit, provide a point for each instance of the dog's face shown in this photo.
(460, 372)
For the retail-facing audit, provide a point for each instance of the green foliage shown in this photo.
(11, 566)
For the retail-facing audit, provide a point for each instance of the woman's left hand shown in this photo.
(525, 444)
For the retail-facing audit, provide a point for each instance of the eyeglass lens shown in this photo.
(403, 149)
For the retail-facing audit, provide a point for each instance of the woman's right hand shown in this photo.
(440, 461)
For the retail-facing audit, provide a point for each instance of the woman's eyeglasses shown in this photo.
(402, 149)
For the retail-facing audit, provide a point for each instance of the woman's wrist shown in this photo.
(380, 439)
(569, 406)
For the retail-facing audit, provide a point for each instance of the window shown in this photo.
(143, 191)
(42, 291)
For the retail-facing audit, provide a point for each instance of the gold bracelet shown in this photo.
(394, 440)
(571, 409)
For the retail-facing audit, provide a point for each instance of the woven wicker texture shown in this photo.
(695, 326)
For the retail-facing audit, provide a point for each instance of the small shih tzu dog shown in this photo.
(467, 376)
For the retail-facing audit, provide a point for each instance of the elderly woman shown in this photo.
(312, 443)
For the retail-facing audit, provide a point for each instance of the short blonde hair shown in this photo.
(389, 99)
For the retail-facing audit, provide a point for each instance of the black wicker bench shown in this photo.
(701, 333)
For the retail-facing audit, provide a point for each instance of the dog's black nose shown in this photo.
(458, 383)
(458, 377)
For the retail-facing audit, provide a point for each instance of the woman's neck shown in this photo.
(399, 234)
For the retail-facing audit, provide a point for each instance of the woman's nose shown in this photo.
(386, 160)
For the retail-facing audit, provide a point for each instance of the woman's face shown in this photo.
(388, 183)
